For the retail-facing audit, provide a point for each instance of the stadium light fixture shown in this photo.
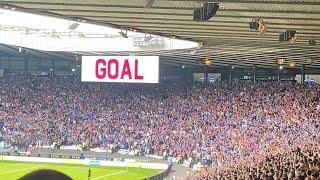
(133, 29)
(73, 26)
(207, 62)
(147, 38)
(193, 52)
(148, 3)
(124, 35)
(262, 27)
(81, 20)
(294, 39)
(292, 64)
(280, 61)
(200, 45)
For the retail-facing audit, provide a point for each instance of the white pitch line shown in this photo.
(8, 172)
(15, 167)
(110, 174)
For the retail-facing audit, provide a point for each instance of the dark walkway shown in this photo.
(179, 174)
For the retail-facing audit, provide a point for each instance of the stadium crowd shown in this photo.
(297, 165)
(221, 125)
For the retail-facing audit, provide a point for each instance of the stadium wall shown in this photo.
(159, 166)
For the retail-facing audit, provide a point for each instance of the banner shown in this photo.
(212, 77)
(123, 69)
(123, 151)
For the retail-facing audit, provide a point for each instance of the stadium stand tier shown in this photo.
(220, 126)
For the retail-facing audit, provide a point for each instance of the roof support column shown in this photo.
(26, 63)
(278, 74)
(303, 73)
(52, 67)
(9, 65)
(254, 73)
(205, 73)
(230, 73)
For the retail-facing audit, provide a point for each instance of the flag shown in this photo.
(90, 116)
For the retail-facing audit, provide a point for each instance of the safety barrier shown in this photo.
(160, 166)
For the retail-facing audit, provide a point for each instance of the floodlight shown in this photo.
(73, 26)
(124, 35)
(148, 3)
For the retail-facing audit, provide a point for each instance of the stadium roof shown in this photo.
(227, 38)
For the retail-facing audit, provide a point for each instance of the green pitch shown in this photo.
(14, 170)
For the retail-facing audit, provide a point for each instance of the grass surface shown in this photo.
(14, 170)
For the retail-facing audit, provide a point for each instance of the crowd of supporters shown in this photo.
(296, 165)
(220, 125)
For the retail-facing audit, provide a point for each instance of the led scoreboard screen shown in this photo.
(122, 69)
